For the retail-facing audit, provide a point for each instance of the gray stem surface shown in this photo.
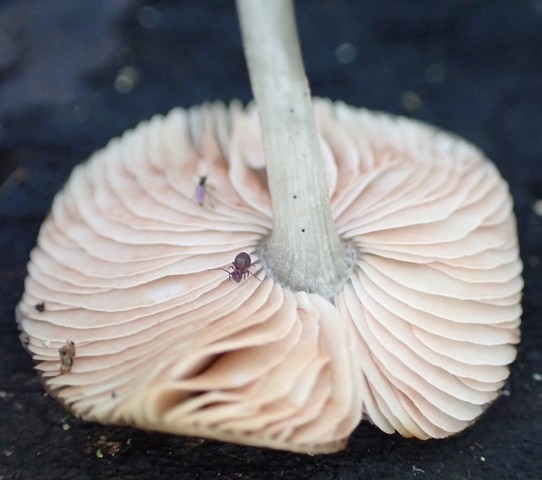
(304, 251)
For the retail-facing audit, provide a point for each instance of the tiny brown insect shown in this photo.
(67, 356)
(40, 307)
(240, 265)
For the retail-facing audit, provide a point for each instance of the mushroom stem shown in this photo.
(304, 251)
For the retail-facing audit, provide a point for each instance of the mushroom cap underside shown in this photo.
(128, 267)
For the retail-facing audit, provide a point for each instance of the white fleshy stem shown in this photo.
(304, 251)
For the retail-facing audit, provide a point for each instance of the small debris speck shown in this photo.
(346, 53)
(435, 72)
(411, 101)
(483, 459)
(67, 356)
(105, 447)
(127, 78)
(537, 377)
(8, 452)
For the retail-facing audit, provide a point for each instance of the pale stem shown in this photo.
(304, 251)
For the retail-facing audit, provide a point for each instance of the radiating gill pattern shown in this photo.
(127, 267)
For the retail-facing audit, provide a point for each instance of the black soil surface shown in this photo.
(74, 73)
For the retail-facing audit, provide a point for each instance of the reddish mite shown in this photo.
(241, 265)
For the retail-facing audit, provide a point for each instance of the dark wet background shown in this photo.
(74, 73)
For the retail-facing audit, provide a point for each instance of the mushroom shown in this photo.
(408, 316)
